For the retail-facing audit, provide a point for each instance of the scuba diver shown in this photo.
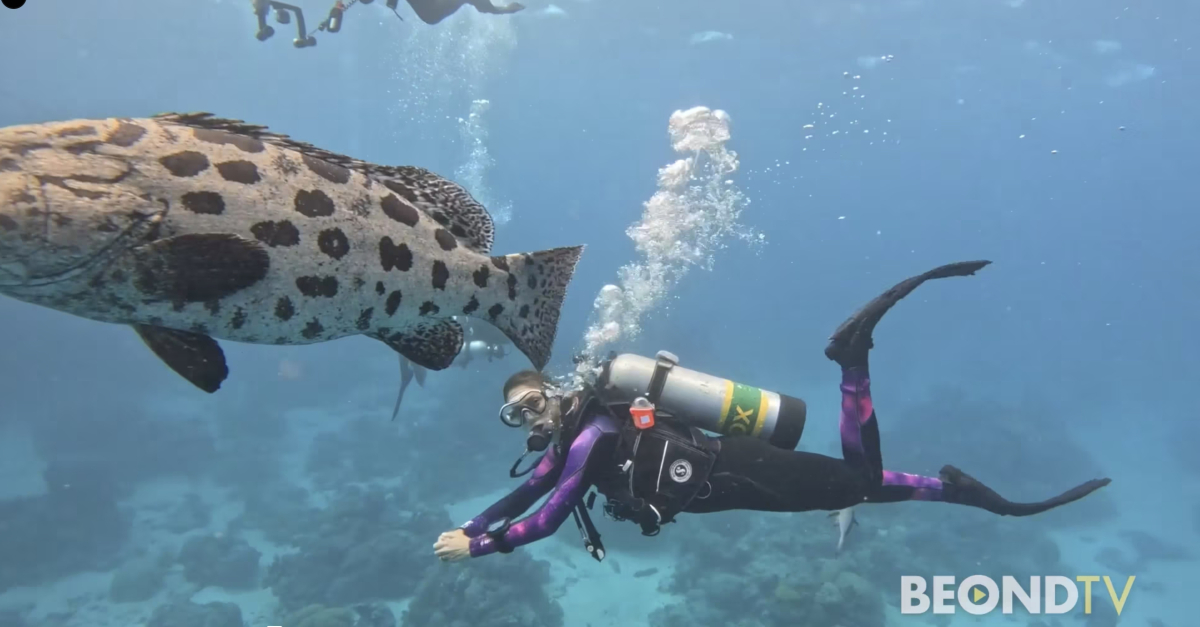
(430, 12)
(481, 341)
(635, 436)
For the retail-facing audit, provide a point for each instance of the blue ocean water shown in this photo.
(874, 141)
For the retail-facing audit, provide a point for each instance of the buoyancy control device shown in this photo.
(664, 458)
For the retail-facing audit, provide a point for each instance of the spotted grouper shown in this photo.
(190, 227)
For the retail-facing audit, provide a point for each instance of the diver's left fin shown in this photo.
(197, 358)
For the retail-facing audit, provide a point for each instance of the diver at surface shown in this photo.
(651, 467)
(430, 12)
(304, 38)
(434, 11)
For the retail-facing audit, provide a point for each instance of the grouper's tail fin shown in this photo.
(536, 285)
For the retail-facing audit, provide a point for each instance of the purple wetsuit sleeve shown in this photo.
(569, 491)
(516, 502)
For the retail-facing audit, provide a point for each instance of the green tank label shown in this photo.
(742, 411)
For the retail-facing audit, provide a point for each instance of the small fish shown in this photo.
(645, 573)
(845, 522)
(192, 228)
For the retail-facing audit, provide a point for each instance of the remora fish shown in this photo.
(189, 227)
(407, 372)
(845, 522)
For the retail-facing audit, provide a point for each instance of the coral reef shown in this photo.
(363, 615)
(374, 444)
(248, 445)
(1146, 549)
(766, 570)
(359, 549)
(137, 580)
(279, 510)
(189, 515)
(374, 615)
(76, 526)
(220, 560)
(763, 589)
(504, 592)
(321, 616)
(12, 618)
(189, 614)
(168, 445)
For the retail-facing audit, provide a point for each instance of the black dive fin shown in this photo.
(432, 344)
(197, 358)
(964, 489)
(852, 340)
(406, 377)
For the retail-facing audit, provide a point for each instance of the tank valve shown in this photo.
(642, 411)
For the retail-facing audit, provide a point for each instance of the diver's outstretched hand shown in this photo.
(851, 342)
(452, 546)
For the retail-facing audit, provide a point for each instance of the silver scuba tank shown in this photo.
(710, 403)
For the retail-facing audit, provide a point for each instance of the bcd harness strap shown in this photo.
(664, 362)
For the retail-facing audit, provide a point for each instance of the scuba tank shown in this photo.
(701, 400)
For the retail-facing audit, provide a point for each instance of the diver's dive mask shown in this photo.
(527, 409)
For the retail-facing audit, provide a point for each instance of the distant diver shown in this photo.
(635, 436)
(483, 341)
(430, 12)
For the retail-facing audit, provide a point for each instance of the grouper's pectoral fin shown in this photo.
(431, 344)
(197, 358)
(199, 267)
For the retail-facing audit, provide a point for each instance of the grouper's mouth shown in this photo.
(14, 274)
